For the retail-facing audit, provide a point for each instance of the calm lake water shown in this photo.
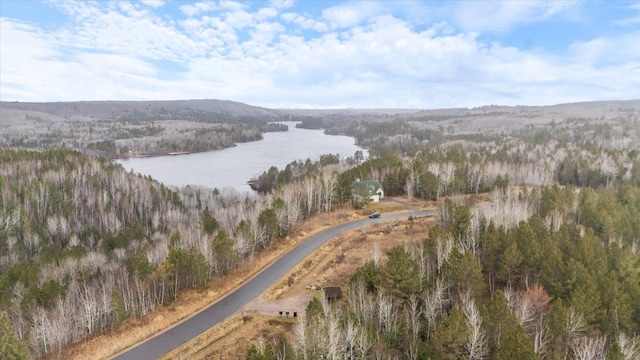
(233, 167)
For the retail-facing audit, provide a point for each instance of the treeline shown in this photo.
(295, 170)
(381, 136)
(201, 140)
(558, 284)
(385, 136)
(274, 127)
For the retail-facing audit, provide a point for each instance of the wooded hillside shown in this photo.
(549, 268)
(85, 245)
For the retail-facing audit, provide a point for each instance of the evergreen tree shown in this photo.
(464, 272)
(118, 308)
(269, 221)
(510, 263)
(507, 339)
(449, 339)
(368, 274)
(222, 253)
(209, 223)
(11, 347)
(400, 275)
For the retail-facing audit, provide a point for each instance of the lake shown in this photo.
(233, 167)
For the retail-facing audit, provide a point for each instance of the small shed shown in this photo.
(371, 188)
(332, 293)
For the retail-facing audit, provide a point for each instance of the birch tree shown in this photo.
(477, 346)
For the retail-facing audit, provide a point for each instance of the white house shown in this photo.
(371, 188)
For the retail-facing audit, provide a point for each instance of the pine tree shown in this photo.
(209, 223)
(11, 347)
(401, 274)
(507, 339)
(449, 339)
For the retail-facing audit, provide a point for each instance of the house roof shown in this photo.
(371, 186)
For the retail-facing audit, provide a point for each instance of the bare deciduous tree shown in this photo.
(443, 250)
(435, 300)
(387, 316)
(300, 338)
(589, 347)
(477, 345)
(410, 184)
(629, 346)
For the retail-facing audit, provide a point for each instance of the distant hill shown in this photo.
(586, 108)
(165, 110)
(196, 109)
(126, 128)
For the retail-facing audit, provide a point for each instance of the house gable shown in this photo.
(371, 187)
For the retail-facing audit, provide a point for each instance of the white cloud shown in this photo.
(607, 50)
(239, 19)
(265, 33)
(22, 46)
(266, 13)
(351, 14)
(120, 64)
(131, 10)
(487, 16)
(197, 8)
(632, 19)
(77, 9)
(556, 7)
(221, 30)
(232, 5)
(289, 17)
(282, 4)
(132, 32)
(33, 69)
(304, 22)
(153, 3)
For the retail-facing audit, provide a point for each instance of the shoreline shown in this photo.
(140, 155)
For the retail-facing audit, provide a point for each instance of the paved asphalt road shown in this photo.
(219, 311)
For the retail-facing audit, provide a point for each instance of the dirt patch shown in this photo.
(337, 260)
(232, 338)
(281, 308)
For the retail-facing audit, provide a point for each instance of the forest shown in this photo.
(549, 268)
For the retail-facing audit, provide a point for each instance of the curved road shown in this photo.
(169, 340)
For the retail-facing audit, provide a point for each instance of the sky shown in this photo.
(321, 54)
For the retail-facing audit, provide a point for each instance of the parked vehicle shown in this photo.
(374, 215)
